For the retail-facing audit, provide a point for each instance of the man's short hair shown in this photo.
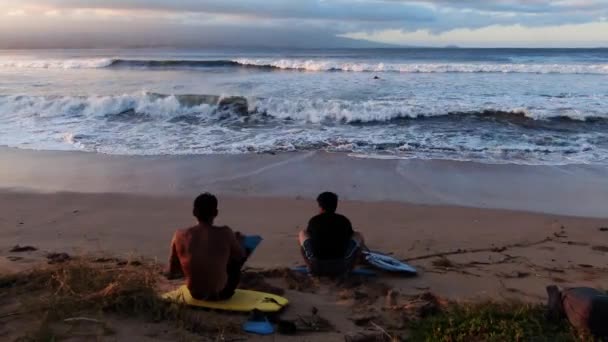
(328, 201)
(205, 207)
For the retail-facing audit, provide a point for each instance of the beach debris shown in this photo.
(515, 291)
(358, 295)
(412, 309)
(57, 258)
(479, 250)
(548, 269)
(364, 318)
(364, 336)
(603, 229)
(313, 322)
(384, 332)
(391, 298)
(421, 306)
(293, 280)
(576, 243)
(82, 319)
(286, 327)
(507, 259)
(14, 258)
(600, 248)
(363, 292)
(514, 275)
(585, 265)
(86, 321)
(560, 235)
(443, 262)
(19, 249)
(104, 260)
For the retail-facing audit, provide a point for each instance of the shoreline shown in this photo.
(573, 190)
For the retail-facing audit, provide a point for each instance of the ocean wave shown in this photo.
(152, 123)
(118, 106)
(193, 108)
(82, 63)
(316, 65)
(170, 106)
(392, 111)
(337, 65)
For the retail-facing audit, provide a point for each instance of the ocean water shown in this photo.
(523, 106)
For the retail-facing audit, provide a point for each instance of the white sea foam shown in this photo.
(297, 109)
(450, 104)
(84, 63)
(318, 65)
(340, 65)
(90, 106)
(144, 123)
(321, 110)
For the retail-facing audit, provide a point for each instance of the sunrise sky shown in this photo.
(302, 23)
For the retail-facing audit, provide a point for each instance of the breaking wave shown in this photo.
(319, 111)
(337, 65)
(151, 123)
(316, 65)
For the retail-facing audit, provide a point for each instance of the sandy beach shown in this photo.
(483, 245)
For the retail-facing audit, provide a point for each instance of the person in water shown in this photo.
(329, 244)
(209, 256)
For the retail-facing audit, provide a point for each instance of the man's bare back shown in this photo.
(204, 254)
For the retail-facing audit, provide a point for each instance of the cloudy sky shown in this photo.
(302, 23)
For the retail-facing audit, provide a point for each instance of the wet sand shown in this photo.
(578, 190)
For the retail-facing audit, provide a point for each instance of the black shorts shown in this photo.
(332, 267)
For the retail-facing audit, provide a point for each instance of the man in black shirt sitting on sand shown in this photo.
(329, 244)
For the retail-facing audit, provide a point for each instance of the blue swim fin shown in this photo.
(258, 324)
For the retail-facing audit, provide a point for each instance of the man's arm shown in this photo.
(175, 267)
(309, 228)
(237, 252)
(349, 226)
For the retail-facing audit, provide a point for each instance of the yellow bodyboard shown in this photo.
(243, 301)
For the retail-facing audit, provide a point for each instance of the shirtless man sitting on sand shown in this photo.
(329, 245)
(210, 257)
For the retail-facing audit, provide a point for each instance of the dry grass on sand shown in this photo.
(61, 298)
(91, 299)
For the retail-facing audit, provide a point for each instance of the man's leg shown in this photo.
(304, 242)
(358, 238)
(356, 256)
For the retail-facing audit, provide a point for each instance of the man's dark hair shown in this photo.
(205, 207)
(328, 201)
